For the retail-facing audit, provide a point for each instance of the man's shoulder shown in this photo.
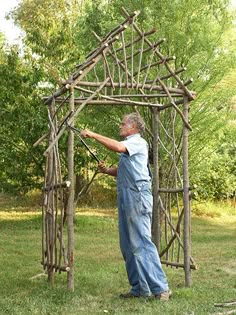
(136, 137)
(135, 144)
(137, 141)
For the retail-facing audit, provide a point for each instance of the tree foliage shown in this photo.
(22, 122)
(202, 37)
(50, 28)
(58, 35)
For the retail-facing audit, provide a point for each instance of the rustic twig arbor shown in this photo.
(126, 69)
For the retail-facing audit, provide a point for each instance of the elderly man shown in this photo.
(143, 266)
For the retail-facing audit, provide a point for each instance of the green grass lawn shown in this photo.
(99, 269)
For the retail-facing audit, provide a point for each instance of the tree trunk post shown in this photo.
(49, 226)
(156, 209)
(187, 246)
(70, 203)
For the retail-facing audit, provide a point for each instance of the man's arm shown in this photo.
(109, 143)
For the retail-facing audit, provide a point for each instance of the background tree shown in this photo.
(22, 120)
(29, 73)
(200, 34)
(202, 37)
(50, 28)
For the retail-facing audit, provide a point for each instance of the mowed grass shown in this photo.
(99, 269)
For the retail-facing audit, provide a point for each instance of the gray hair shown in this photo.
(136, 118)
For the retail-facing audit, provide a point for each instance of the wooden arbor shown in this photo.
(125, 69)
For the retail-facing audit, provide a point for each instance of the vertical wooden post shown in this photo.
(70, 203)
(187, 246)
(156, 209)
(49, 216)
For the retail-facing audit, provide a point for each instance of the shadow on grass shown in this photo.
(24, 221)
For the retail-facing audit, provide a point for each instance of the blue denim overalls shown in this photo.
(143, 266)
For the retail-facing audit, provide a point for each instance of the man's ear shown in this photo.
(134, 125)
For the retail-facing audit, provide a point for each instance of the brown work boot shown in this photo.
(164, 296)
(128, 295)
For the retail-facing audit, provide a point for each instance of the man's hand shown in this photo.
(112, 171)
(86, 133)
(102, 167)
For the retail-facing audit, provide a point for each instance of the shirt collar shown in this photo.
(135, 135)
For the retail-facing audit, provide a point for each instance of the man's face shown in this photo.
(127, 128)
